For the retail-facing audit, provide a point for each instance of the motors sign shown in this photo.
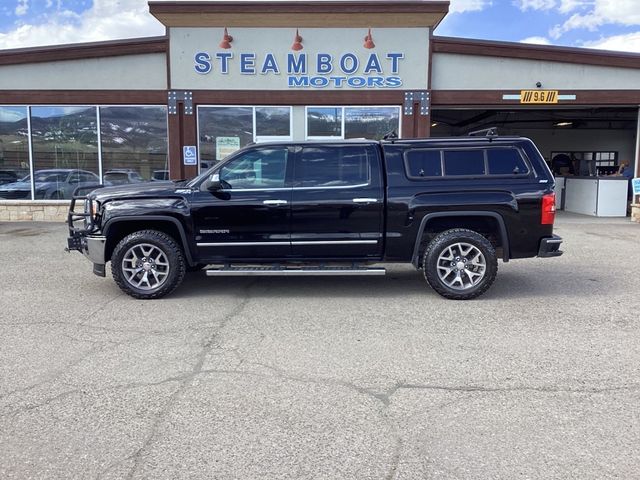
(287, 59)
(321, 70)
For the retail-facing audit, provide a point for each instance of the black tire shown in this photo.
(167, 245)
(439, 246)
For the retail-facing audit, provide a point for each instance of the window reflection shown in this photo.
(14, 153)
(273, 121)
(324, 122)
(134, 144)
(65, 145)
(223, 130)
(371, 122)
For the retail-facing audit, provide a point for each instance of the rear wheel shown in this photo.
(148, 264)
(460, 264)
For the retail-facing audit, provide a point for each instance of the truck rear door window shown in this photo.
(333, 167)
(424, 163)
(463, 162)
(506, 161)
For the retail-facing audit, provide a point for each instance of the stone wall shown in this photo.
(33, 211)
(635, 212)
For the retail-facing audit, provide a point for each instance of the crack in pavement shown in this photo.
(187, 380)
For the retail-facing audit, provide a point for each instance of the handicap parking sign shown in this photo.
(189, 155)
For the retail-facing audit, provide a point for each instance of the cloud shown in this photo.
(525, 5)
(629, 42)
(602, 12)
(536, 40)
(104, 20)
(22, 8)
(459, 6)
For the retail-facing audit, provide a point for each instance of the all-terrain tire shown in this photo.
(440, 246)
(164, 243)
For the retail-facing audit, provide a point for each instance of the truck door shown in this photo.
(250, 217)
(337, 202)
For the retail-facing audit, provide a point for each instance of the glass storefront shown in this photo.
(14, 149)
(72, 146)
(352, 122)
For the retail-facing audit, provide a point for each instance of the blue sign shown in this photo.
(636, 186)
(373, 70)
(189, 155)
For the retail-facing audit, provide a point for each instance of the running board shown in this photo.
(274, 271)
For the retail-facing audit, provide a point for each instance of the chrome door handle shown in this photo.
(275, 202)
(365, 200)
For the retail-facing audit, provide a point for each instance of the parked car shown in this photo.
(50, 184)
(122, 176)
(451, 207)
(160, 175)
(12, 175)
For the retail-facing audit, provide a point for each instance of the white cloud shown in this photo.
(22, 7)
(459, 6)
(602, 12)
(567, 6)
(105, 20)
(525, 5)
(629, 42)
(536, 40)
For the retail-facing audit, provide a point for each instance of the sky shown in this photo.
(604, 24)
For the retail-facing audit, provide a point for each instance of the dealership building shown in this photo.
(228, 73)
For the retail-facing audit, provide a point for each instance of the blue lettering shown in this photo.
(270, 64)
(296, 65)
(375, 82)
(357, 82)
(298, 81)
(373, 64)
(324, 63)
(344, 63)
(203, 62)
(224, 61)
(319, 82)
(393, 82)
(338, 81)
(395, 59)
(248, 63)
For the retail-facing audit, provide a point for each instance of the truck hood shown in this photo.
(139, 190)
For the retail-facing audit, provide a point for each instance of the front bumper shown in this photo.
(550, 247)
(92, 247)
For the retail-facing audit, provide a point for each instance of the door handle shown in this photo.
(275, 202)
(365, 200)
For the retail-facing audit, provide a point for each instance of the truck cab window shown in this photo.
(263, 168)
(333, 167)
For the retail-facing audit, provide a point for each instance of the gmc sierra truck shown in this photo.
(450, 206)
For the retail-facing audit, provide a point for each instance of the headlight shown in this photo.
(92, 207)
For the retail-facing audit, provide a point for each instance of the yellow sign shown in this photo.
(539, 96)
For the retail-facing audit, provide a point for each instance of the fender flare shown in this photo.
(504, 238)
(158, 218)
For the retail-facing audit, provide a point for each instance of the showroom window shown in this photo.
(14, 150)
(224, 129)
(134, 143)
(351, 122)
(46, 152)
(65, 145)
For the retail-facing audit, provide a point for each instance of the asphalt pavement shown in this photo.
(323, 378)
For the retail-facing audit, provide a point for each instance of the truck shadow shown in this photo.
(398, 284)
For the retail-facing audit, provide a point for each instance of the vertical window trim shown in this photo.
(30, 144)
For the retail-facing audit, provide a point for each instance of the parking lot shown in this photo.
(324, 378)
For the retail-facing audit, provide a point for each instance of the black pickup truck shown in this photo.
(451, 207)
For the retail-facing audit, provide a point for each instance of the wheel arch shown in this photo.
(118, 228)
(494, 216)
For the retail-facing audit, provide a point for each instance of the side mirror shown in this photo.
(214, 184)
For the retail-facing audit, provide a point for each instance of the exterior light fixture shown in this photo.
(368, 41)
(563, 124)
(226, 40)
(297, 42)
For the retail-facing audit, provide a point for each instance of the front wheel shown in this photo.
(460, 264)
(148, 264)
